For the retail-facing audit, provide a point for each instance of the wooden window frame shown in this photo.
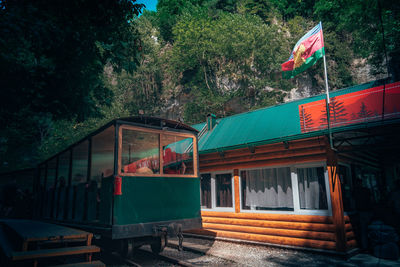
(160, 133)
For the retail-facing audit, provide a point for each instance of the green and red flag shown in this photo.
(305, 53)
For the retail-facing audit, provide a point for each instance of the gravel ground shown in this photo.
(257, 255)
(206, 252)
(196, 258)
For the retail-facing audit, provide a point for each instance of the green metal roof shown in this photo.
(267, 125)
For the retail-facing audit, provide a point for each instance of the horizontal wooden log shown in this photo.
(348, 227)
(265, 163)
(350, 235)
(270, 216)
(351, 244)
(319, 227)
(288, 241)
(271, 231)
(286, 154)
(298, 144)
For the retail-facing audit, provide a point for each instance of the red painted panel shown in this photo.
(352, 108)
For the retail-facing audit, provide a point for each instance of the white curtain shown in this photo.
(269, 188)
(312, 191)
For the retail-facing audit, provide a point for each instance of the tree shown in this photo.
(364, 113)
(337, 113)
(306, 122)
(366, 22)
(208, 56)
(52, 55)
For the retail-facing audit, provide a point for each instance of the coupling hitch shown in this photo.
(180, 240)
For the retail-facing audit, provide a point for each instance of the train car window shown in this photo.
(51, 173)
(63, 168)
(177, 154)
(80, 163)
(42, 176)
(103, 145)
(140, 152)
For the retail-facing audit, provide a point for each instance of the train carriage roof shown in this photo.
(142, 121)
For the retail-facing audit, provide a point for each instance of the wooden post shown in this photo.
(236, 187)
(336, 200)
(88, 243)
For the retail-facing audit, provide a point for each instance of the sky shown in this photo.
(150, 4)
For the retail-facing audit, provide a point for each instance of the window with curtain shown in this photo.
(312, 190)
(205, 194)
(223, 188)
(267, 189)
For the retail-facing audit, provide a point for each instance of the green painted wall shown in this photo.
(150, 199)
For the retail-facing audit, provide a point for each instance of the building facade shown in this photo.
(283, 175)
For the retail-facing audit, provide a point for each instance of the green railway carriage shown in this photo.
(133, 181)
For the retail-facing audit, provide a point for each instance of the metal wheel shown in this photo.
(158, 244)
(126, 248)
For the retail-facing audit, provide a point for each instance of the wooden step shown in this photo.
(55, 252)
(83, 264)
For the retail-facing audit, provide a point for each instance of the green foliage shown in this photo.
(68, 67)
(52, 55)
(208, 56)
(362, 21)
(168, 11)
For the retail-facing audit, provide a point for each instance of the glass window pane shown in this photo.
(312, 190)
(103, 145)
(63, 168)
(205, 182)
(51, 173)
(140, 152)
(80, 163)
(267, 189)
(177, 154)
(223, 184)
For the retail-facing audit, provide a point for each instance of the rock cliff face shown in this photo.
(306, 86)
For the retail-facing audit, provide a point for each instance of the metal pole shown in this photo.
(326, 81)
(328, 116)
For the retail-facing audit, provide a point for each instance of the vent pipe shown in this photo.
(211, 121)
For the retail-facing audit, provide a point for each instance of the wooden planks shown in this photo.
(270, 217)
(328, 236)
(30, 231)
(319, 227)
(288, 241)
(283, 229)
(46, 253)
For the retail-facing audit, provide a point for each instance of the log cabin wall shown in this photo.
(311, 231)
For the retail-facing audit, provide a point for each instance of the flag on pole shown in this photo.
(305, 53)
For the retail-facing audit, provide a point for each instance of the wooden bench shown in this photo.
(52, 252)
(15, 240)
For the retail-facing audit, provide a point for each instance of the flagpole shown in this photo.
(328, 115)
